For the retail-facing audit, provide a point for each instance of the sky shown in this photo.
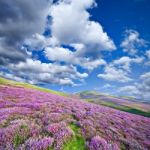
(74, 45)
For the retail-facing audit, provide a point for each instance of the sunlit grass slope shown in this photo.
(4, 81)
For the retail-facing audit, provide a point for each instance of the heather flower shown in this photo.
(98, 143)
(147, 143)
(14, 134)
(62, 136)
(131, 144)
(27, 116)
(89, 132)
(52, 118)
(38, 143)
(114, 147)
(55, 127)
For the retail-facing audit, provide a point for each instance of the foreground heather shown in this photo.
(35, 120)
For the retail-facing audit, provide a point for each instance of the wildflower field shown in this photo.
(31, 119)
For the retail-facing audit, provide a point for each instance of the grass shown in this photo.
(4, 81)
(20, 139)
(77, 142)
(122, 108)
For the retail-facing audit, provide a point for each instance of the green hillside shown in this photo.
(4, 81)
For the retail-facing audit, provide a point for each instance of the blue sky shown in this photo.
(73, 46)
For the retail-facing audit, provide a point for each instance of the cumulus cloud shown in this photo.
(59, 54)
(79, 32)
(145, 76)
(125, 62)
(18, 21)
(112, 73)
(119, 69)
(148, 54)
(140, 91)
(39, 42)
(12, 77)
(47, 72)
(63, 54)
(144, 88)
(129, 90)
(78, 29)
(22, 24)
(132, 42)
(91, 64)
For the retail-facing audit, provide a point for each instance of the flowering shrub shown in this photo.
(38, 143)
(55, 127)
(62, 136)
(98, 143)
(32, 119)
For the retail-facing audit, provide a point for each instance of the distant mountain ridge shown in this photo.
(96, 93)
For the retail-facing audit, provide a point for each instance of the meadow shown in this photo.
(32, 119)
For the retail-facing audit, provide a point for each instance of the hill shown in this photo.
(33, 119)
(131, 105)
(4, 81)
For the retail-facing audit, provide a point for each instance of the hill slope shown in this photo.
(121, 103)
(33, 119)
(4, 81)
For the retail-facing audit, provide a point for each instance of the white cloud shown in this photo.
(38, 72)
(11, 76)
(18, 22)
(145, 76)
(144, 88)
(148, 57)
(125, 62)
(129, 90)
(71, 25)
(114, 74)
(106, 86)
(63, 54)
(38, 42)
(140, 90)
(59, 54)
(148, 54)
(132, 42)
(119, 69)
(91, 64)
